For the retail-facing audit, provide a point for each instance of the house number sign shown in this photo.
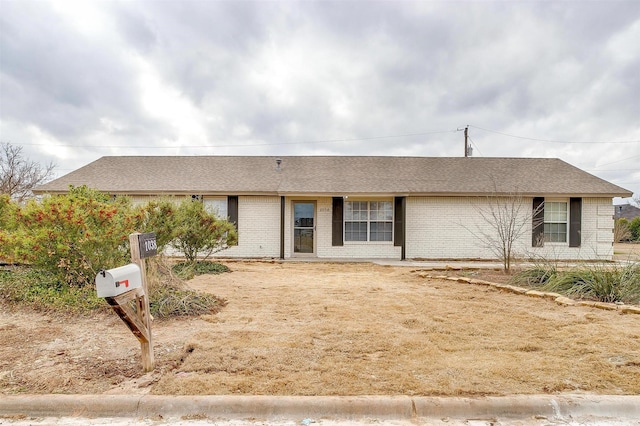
(148, 245)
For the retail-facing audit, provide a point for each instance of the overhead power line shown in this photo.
(550, 140)
(619, 161)
(241, 145)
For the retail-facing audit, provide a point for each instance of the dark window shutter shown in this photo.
(336, 223)
(398, 221)
(537, 226)
(232, 209)
(282, 211)
(575, 222)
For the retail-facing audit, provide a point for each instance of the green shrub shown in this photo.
(159, 216)
(198, 232)
(66, 240)
(40, 291)
(73, 236)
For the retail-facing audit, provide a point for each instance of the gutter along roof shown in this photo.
(335, 175)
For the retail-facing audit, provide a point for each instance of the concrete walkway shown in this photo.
(278, 409)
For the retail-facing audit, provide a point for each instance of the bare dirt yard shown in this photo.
(627, 252)
(333, 329)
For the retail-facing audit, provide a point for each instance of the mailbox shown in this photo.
(112, 282)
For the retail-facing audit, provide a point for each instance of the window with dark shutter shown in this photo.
(575, 222)
(336, 223)
(398, 221)
(537, 226)
(232, 211)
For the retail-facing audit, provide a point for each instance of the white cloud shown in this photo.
(83, 79)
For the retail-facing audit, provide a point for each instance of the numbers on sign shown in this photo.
(150, 245)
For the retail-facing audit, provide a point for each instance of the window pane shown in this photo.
(555, 232)
(348, 210)
(381, 231)
(355, 210)
(303, 214)
(555, 212)
(355, 231)
(217, 206)
(381, 210)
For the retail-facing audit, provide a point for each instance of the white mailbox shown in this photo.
(112, 282)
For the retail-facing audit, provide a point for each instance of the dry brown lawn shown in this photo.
(334, 329)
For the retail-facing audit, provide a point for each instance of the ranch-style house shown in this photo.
(374, 207)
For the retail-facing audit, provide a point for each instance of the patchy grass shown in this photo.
(333, 329)
(361, 329)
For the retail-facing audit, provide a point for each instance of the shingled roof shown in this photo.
(334, 175)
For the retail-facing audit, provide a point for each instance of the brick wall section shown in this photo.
(436, 228)
(444, 228)
(441, 228)
(258, 228)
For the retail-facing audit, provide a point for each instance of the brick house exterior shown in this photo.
(374, 207)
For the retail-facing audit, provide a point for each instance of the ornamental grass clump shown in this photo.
(534, 277)
(601, 282)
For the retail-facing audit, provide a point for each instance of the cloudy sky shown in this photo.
(84, 79)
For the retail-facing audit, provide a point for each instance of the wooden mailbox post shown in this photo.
(138, 321)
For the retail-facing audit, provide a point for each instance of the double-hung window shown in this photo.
(368, 221)
(555, 222)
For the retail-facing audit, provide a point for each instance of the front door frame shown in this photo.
(293, 228)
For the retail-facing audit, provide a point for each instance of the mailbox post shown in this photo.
(143, 246)
(128, 283)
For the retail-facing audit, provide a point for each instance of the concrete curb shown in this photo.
(339, 407)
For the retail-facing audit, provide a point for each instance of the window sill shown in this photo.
(368, 243)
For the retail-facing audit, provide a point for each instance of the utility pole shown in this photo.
(466, 141)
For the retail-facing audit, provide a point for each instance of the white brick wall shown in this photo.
(436, 228)
(444, 228)
(258, 228)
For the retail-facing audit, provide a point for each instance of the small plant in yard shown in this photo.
(187, 270)
(536, 276)
(505, 220)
